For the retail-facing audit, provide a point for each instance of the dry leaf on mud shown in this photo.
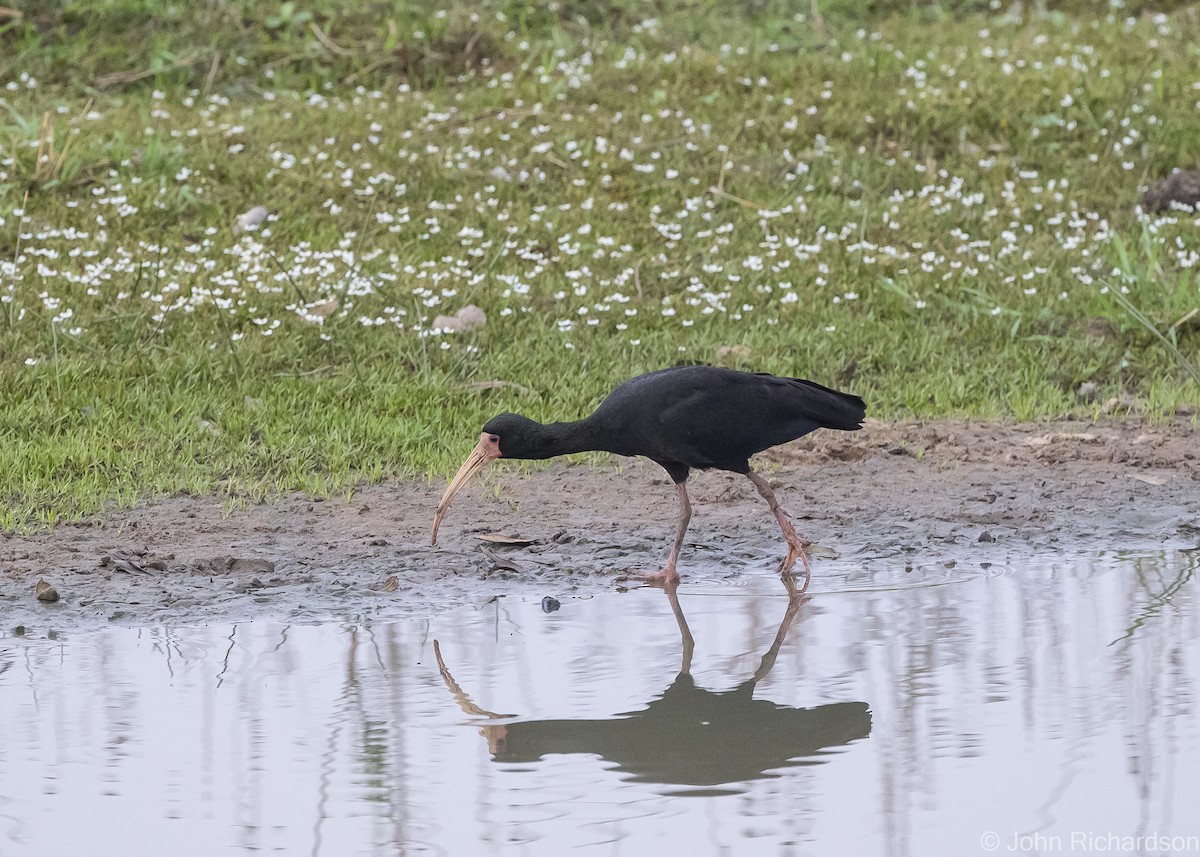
(122, 562)
(1115, 404)
(506, 541)
(45, 592)
(1054, 437)
(499, 562)
(1149, 480)
(319, 312)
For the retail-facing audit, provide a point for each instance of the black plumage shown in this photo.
(682, 418)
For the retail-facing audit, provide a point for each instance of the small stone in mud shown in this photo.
(251, 219)
(252, 566)
(1181, 188)
(45, 592)
(467, 318)
(986, 536)
(549, 604)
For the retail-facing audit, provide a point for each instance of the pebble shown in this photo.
(252, 566)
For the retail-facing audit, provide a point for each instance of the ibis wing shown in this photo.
(705, 416)
(828, 407)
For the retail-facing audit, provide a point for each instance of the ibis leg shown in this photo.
(668, 574)
(796, 544)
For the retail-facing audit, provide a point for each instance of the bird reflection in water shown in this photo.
(687, 735)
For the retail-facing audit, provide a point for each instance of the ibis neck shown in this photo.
(565, 438)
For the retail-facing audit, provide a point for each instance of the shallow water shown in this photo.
(907, 714)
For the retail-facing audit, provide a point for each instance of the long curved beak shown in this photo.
(479, 458)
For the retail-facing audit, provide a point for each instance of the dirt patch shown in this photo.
(885, 506)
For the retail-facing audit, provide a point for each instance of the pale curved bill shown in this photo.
(476, 461)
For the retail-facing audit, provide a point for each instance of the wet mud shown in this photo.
(889, 506)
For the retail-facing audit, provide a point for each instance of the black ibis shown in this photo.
(682, 418)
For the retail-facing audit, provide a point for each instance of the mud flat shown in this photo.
(892, 505)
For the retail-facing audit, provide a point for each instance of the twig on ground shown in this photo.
(120, 78)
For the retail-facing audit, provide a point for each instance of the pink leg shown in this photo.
(668, 574)
(796, 544)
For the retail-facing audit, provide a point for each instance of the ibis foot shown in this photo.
(796, 546)
(665, 578)
(796, 543)
(795, 551)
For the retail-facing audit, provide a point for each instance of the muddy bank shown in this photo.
(893, 505)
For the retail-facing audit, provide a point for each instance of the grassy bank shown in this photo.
(929, 206)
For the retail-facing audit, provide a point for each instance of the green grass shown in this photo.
(919, 203)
